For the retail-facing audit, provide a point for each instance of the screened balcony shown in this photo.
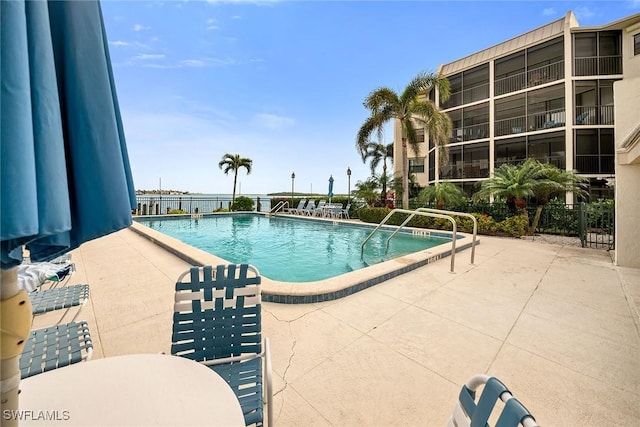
(597, 53)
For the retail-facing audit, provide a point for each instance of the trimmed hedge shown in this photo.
(514, 226)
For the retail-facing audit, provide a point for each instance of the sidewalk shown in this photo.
(558, 324)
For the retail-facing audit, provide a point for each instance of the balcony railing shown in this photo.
(557, 161)
(537, 121)
(594, 163)
(597, 65)
(468, 133)
(460, 170)
(510, 126)
(530, 78)
(594, 115)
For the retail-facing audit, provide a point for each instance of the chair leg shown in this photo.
(268, 395)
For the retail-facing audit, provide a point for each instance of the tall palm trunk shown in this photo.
(405, 175)
(235, 179)
(383, 194)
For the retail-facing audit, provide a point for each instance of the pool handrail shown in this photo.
(280, 206)
(453, 213)
(411, 215)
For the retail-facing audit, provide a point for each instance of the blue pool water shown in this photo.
(289, 249)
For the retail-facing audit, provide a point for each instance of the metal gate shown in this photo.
(596, 225)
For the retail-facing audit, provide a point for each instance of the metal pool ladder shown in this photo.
(279, 207)
(435, 213)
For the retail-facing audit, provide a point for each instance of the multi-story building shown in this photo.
(547, 94)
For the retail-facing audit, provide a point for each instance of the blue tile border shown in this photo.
(350, 290)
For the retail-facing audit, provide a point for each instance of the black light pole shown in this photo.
(348, 185)
(293, 176)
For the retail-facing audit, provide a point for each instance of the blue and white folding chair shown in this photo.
(217, 322)
(63, 298)
(474, 410)
(55, 347)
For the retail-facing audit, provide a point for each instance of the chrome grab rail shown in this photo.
(411, 215)
(280, 206)
(453, 213)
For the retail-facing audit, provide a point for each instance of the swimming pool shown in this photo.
(290, 249)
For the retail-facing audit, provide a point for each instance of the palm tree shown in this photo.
(515, 183)
(368, 190)
(379, 152)
(233, 162)
(556, 181)
(443, 194)
(410, 108)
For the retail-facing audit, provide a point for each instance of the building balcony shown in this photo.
(532, 122)
(529, 78)
(594, 115)
(469, 133)
(597, 65)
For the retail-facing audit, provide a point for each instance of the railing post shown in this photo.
(581, 224)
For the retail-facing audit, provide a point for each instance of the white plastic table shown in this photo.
(132, 390)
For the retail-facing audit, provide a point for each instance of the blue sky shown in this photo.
(282, 82)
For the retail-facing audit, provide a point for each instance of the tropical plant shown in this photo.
(233, 162)
(378, 152)
(516, 183)
(410, 108)
(442, 194)
(368, 190)
(242, 203)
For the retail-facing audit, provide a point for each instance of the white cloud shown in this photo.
(259, 2)
(119, 43)
(239, 17)
(584, 12)
(192, 63)
(549, 11)
(147, 57)
(635, 4)
(272, 121)
(139, 27)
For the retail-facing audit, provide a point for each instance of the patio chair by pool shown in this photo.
(65, 297)
(297, 209)
(318, 211)
(217, 322)
(345, 212)
(55, 347)
(474, 409)
(310, 208)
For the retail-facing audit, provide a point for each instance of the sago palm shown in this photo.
(443, 194)
(378, 152)
(411, 108)
(514, 183)
(233, 162)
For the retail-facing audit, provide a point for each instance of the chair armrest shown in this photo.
(231, 359)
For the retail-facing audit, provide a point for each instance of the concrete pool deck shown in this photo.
(558, 324)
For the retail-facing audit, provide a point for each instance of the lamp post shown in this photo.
(293, 176)
(348, 185)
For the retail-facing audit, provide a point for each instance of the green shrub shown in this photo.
(242, 203)
(176, 212)
(515, 226)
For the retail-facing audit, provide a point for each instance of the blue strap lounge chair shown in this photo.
(474, 409)
(217, 322)
(65, 297)
(55, 347)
